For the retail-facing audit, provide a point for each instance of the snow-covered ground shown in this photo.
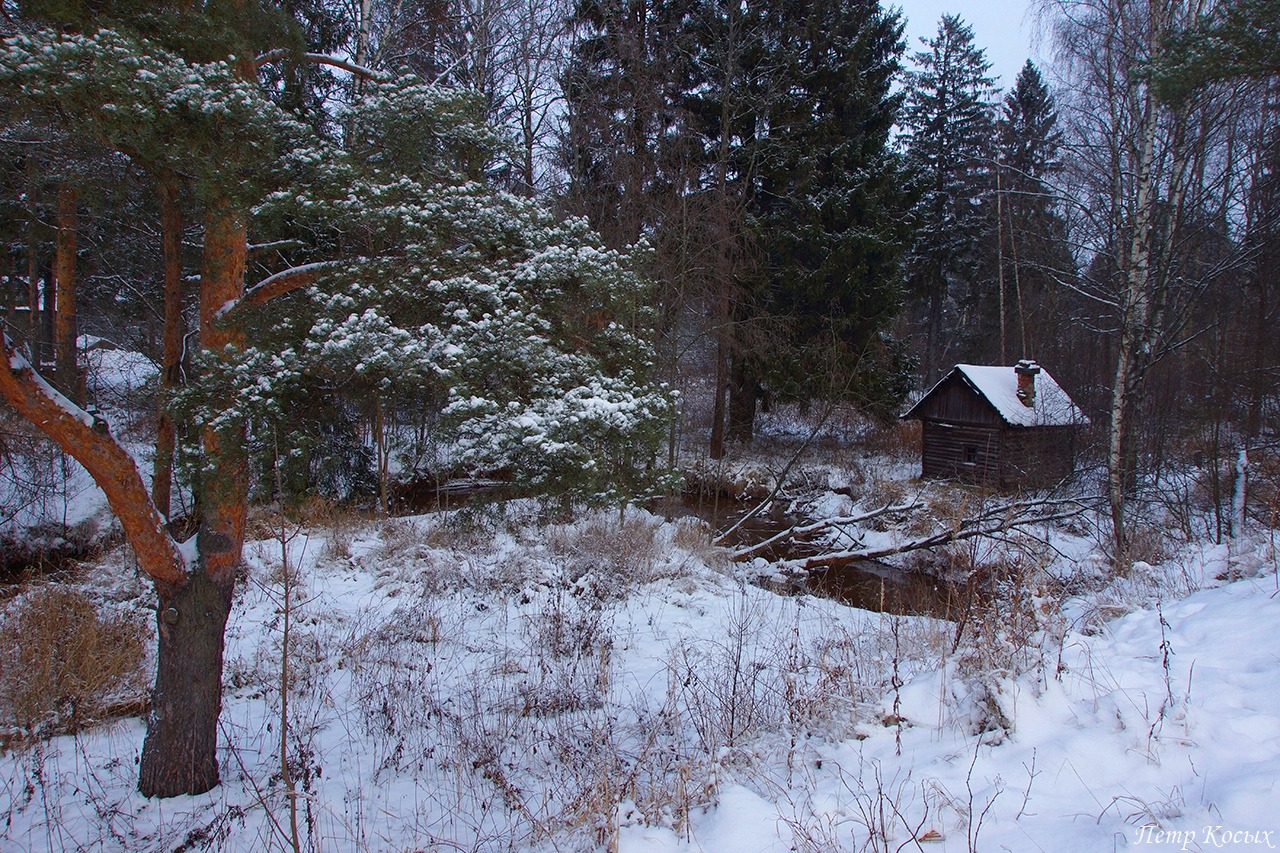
(480, 682)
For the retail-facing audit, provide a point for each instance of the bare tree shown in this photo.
(1148, 175)
(509, 52)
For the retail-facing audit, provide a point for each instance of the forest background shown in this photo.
(514, 238)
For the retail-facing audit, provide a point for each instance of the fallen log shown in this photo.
(989, 522)
(807, 530)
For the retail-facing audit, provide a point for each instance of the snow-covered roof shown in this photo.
(999, 385)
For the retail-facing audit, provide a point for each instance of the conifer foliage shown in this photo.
(752, 141)
(1032, 235)
(828, 207)
(949, 122)
(404, 266)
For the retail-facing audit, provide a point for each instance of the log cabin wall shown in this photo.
(955, 402)
(968, 452)
(1036, 457)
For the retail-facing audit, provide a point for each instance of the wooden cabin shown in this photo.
(1004, 427)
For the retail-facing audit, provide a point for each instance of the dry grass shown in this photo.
(1010, 627)
(1148, 544)
(739, 480)
(339, 520)
(698, 539)
(899, 440)
(64, 662)
(617, 552)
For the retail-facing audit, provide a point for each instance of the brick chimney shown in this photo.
(1026, 371)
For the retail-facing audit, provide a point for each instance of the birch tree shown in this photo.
(1145, 173)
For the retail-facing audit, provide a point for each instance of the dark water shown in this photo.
(427, 495)
(879, 587)
(723, 513)
(867, 584)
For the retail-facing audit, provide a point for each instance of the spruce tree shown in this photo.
(752, 143)
(1031, 232)
(949, 123)
(827, 207)
(622, 147)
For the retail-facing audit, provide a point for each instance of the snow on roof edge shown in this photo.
(998, 385)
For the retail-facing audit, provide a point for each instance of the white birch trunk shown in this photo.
(1239, 493)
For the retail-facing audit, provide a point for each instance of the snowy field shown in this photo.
(483, 681)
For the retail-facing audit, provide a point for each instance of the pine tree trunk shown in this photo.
(33, 269)
(64, 273)
(223, 487)
(48, 314)
(33, 299)
(171, 360)
(180, 753)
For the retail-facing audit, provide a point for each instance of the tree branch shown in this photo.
(275, 244)
(285, 281)
(989, 521)
(844, 558)
(801, 531)
(315, 59)
(87, 439)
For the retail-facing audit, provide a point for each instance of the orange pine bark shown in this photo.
(171, 359)
(112, 468)
(64, 273)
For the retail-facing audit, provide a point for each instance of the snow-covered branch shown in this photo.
(315, 59)
(285, 281)
(274, 244)
(989, 521)
(808, 530)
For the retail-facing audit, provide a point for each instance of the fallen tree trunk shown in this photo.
(803, 532)
(988, 522)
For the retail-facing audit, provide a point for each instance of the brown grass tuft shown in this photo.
(64, 662)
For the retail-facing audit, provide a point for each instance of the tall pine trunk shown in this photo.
(179, 755)
(64, 274)
(171, 359)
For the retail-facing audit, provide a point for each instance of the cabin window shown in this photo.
(971, 455)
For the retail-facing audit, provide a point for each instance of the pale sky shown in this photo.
(1001, 27)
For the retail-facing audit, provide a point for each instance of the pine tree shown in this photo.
(949, 126)
(177, 90)
(1239, 38)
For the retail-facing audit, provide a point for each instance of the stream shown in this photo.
(868, 585)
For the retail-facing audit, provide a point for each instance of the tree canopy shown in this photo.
(404, 265)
